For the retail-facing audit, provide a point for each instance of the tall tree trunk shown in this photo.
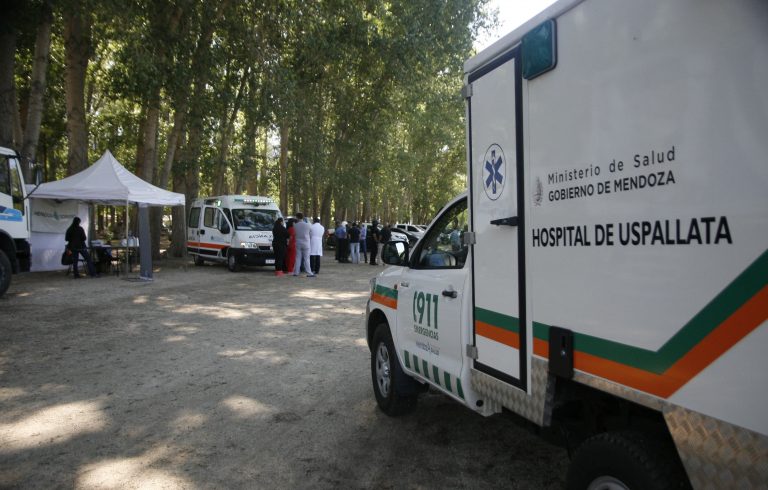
(77, 43)
(139, 158)
(174, 140)
(226, 138)
(37, 87)
(178, 213)
(284, 134)
(18, 132)
(197, 112)
(264, 172)
(248, 163)
(7, 92)
(149, 147)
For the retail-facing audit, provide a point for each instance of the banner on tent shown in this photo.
(49, 216)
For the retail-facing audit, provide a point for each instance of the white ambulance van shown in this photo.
(607, 270)
(232, 229)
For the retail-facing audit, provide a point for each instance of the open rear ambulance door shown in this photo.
(496, 188)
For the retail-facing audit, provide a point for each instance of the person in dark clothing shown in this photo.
(385, 235)
(373, 241)
(76, 243)
(279, 245)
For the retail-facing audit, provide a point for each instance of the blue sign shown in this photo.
(8, 214)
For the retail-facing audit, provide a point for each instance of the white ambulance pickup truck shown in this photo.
(607, 270)
(232, 229)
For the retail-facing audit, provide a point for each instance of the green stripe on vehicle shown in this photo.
(385, 291)
(497, 319)
(426, 368)
(458, 388)
(730, 299)
(447, 378)
(435, 375)
(416, 363)
(407, 359)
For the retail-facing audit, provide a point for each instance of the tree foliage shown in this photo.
(346, 109)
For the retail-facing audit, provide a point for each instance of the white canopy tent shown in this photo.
(108, 182)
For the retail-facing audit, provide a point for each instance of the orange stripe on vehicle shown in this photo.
(384, 300)
(541, 348)
(747, 318)
(206, 245)
(498, 334)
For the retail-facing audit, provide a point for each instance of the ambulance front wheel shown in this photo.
(233, 264)
(395, 391)
(625, 460)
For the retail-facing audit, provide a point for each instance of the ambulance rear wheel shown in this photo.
(5, 272)
(624, 461)
(232, 263)
(395, 391)
(199, 260)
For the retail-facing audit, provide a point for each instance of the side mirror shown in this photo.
(395, 253)
(38, 175)
(224, 228)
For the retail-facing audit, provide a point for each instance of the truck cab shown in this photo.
(15, 253)
(233, 229)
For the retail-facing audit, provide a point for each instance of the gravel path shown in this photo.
(207, 379)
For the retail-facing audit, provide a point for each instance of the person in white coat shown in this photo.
(302, 246)
(316, 233)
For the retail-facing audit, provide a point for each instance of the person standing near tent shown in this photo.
(316, 233)
(290, 256)
(302, 232)
(279, 245)
(76, 243)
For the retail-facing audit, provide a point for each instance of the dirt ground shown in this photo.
(207, 379)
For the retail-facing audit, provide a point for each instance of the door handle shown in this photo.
(511, 221)
(202, 232)
(450, 293)
(404, 284)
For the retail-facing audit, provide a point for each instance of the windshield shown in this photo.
(254, 219)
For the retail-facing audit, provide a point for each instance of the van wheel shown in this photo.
(395, 391)
(622, 461)
(232, 263)
(5, 272)
(199, 260)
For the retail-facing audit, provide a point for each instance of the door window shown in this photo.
(5, 177)
(16, 189)
(443, 247)
(194, 217)
(208, 217)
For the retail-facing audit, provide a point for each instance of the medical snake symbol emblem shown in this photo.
(494, 172)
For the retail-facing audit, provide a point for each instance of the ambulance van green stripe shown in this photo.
(738, 292)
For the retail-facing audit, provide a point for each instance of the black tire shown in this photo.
(631, 460)
(6, 270)
(232, 263)
(199, 260)
(396, 392)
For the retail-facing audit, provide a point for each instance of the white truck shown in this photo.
(607, 271)
(234, 229)
(15, 255)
